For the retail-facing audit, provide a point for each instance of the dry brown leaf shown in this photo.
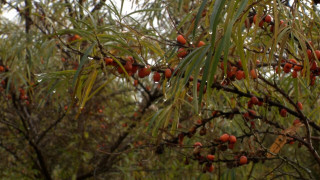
(282, 139)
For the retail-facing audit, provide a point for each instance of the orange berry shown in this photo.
(135, 83)
(120, 70)
(128, 66)
(261, 24)
(255, 18)
(310, 54)
(182, 53)
(297, 67)
(317, 54)
(1, 69)
(210, 168)
(108, 61)
(167, 73)
(232, 139)
(299, 104)
(253, 74)
(231, 146)
(201, 43)
(283, 112)
(156, 77)
(254, 100)
(293, 61)
(243, 160)
(294, 74)
(197, 144)
(224, 138)
(267, 19)
(181, 39)
(239, 75)
(210, 157)
(295, 122)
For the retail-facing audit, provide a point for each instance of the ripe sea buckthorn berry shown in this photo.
(135, 83)
(224, 138)
(243, 160)
(182, 53)
(167, 73)
(108, 61)
(299, 104)
(197, 144)
(253, 74)
(283, 112)
(310, 54)
(317, 54)
(254, 100)
(294, 74)
(267, 19)
(210, 157)
(232, 139)
(201, 43)
(239, 75)
(210, 168)
(156, 77)
(295, 122)
(181, 39)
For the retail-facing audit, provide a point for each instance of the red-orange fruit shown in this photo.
(224, 138)
(243, 160)
(293, 61)
(128, 66)
(254, 100)
(239, 64)
(317, 54)
(250, 104)
(261, 24)
(182, 53)
(267, 19)
(167, 73)
(134, 69)
(108, 61)
(283, 112)
(210, 157)
(146, 71)
(1, 69)
(201, 43)
(297, 67)
(130, 58)
(120, 70)
(76, 37)
(299, 104)
(232, 139)
(271, 28)
(294, 74)
(288, 65)
(239, 75)
(156, 77)
(295, 122)
(197, 144)
(210, 168)
(255, 18)
(253, 74)
(252, 113)
(140, 73)
(181, 39)
(310, 54)
(313, 65)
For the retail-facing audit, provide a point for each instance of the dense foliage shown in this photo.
(173, 90)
